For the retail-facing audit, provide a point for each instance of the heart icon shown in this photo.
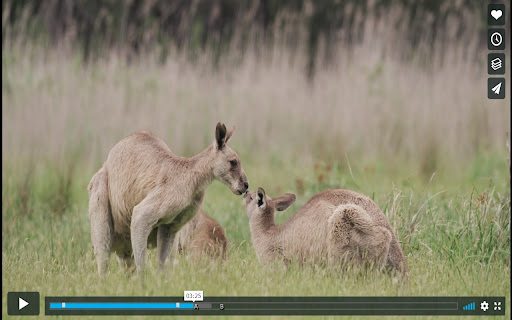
(496, 14)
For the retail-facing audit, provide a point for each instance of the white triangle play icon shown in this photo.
(22, 303)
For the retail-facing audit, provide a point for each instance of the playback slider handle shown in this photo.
(194, 296)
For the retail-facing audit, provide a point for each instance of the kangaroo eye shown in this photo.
(233, 163)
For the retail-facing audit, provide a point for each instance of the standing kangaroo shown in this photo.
(335, 225)
(144, 194)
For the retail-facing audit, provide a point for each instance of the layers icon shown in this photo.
(496, 64)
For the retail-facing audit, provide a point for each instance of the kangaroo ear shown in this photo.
(230, 132)
(220, 135)
(262, 200)
(283, 202)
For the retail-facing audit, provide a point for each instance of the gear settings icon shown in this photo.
(484, 306)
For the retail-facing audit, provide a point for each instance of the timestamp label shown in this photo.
(193, 296)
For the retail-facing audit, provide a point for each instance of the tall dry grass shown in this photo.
(369, 102)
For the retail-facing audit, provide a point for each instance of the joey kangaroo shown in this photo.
(339, 226)
(201, 236)
(144, 194)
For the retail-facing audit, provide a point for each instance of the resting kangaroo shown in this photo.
(144, 194)
(335, 225)
(201, 236)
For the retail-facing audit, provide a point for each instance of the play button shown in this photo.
(23, 303)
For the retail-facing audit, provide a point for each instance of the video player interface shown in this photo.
(256, 158)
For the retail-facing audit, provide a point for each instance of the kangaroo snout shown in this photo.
(245, 198)
(244, 183)
(242, 189)
(239, 187)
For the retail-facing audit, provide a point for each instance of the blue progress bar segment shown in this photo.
(119, 305)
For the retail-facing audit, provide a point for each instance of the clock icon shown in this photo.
(496, 39)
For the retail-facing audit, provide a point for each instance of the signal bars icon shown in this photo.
(469, 306)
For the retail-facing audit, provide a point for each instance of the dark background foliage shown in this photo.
(96, 25)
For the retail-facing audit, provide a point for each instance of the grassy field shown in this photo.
(424, 143)
(456, 237)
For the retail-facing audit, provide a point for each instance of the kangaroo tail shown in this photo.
(100, 216)
(98, 194)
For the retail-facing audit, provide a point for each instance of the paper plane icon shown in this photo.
(496, 89)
